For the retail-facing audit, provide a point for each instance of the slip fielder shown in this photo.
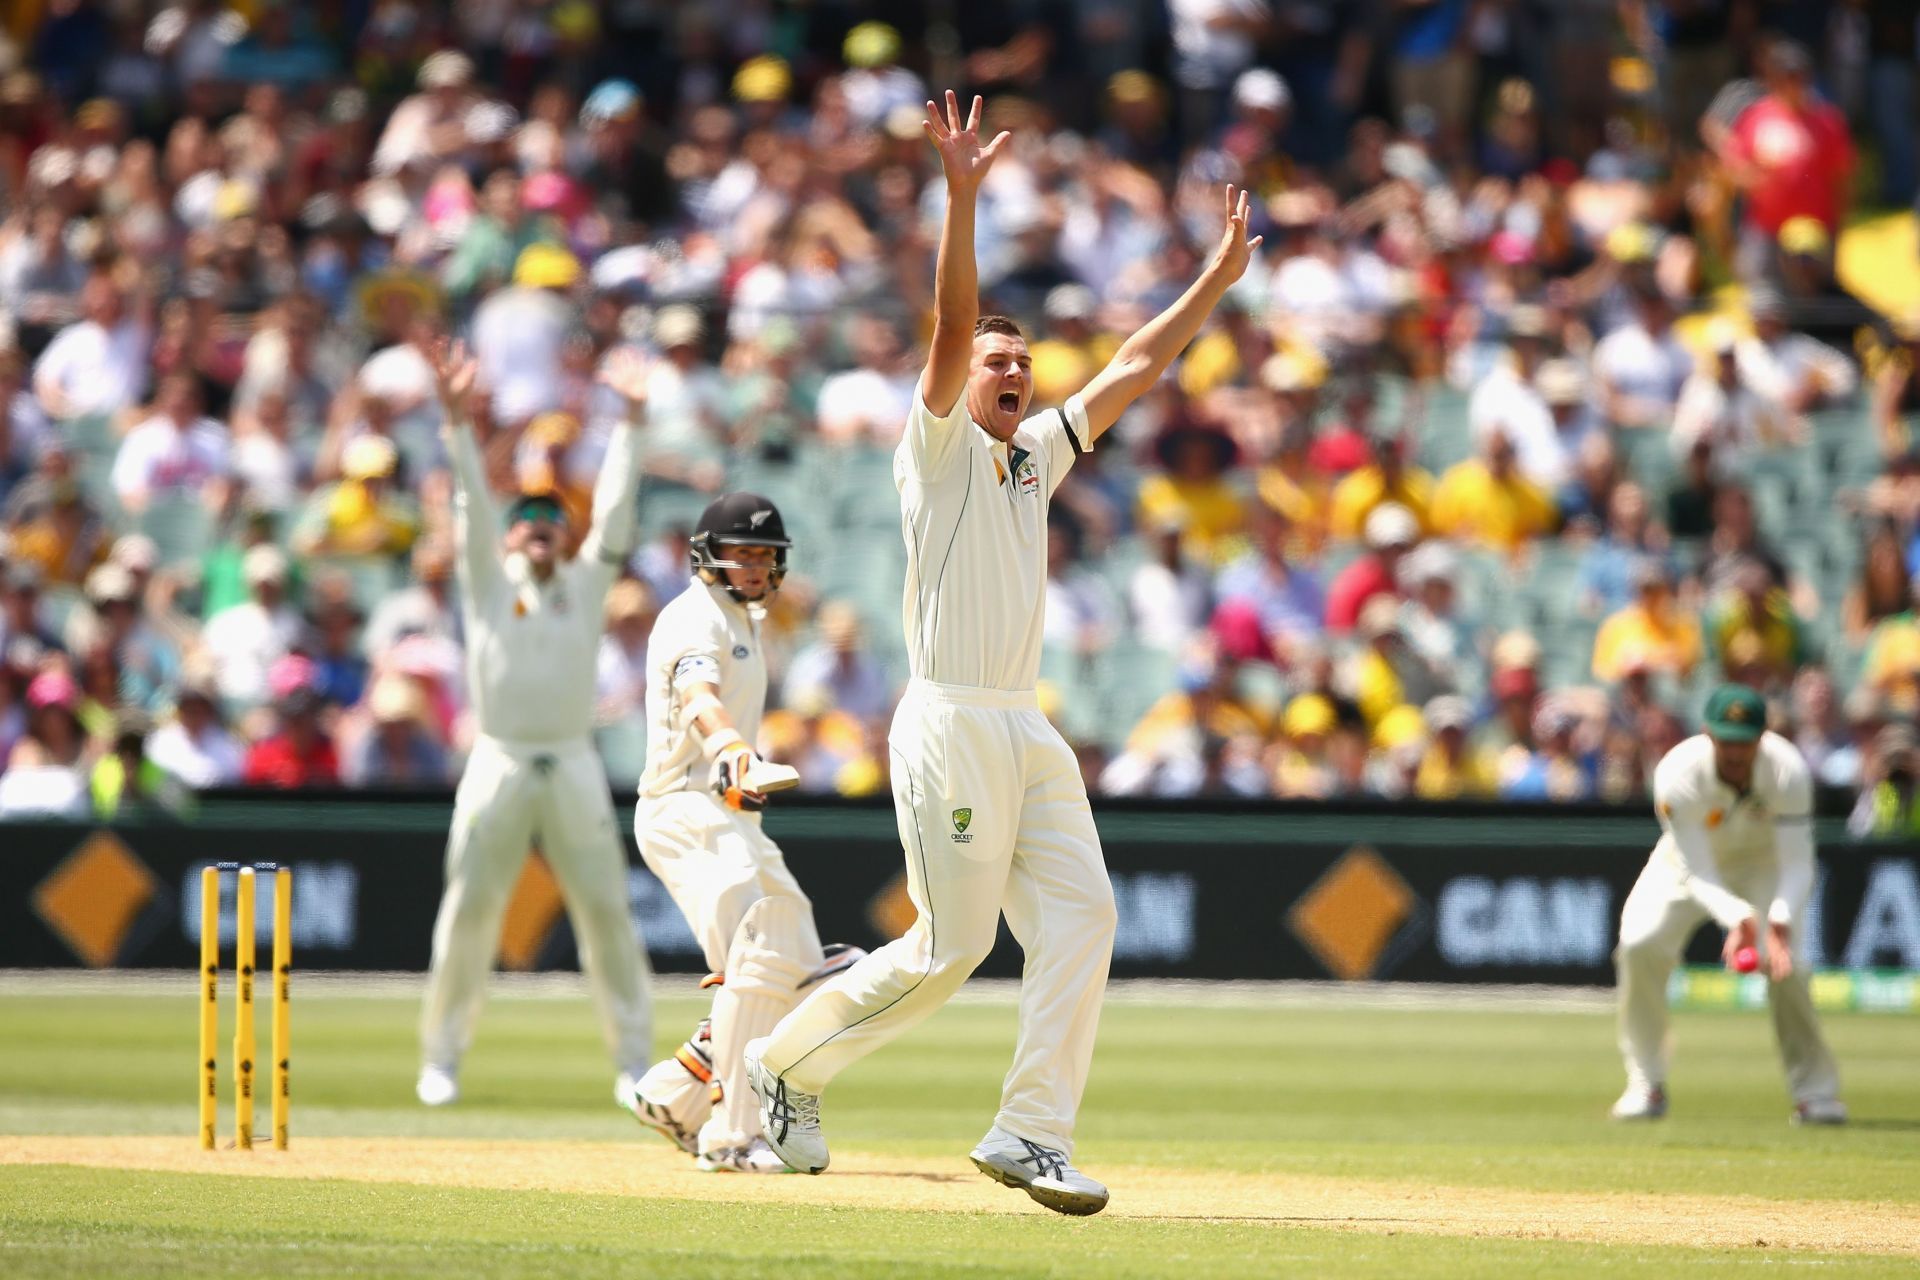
(533, 622)
(1737, 806)
(698, 826)
(992, 812)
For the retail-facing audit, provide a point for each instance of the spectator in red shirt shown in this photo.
(1391, 532)
(298, 753)
(1790, 153)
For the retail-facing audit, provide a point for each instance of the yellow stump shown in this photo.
(209, 1005)
(282, 993)
(243, 1012)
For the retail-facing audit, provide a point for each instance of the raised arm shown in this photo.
(616, 514)
(956, 285)
(476, 519)
(1145, 356)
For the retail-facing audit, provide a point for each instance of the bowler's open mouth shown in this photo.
(1010, 401)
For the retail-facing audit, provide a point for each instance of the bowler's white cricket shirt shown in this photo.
(532, 646)
(703, 636)
(1711, 828)
(974, 515)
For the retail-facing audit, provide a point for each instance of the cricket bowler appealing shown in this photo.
(992, 812)
(698, 826)
(533, 622)
(1737, 805)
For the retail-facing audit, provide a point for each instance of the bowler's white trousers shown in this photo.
(510, 794)
(1659, 917)
(994, 817)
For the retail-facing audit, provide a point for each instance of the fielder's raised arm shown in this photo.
(1145, 356)
(956, 281)
(615, 532)
(476, 520)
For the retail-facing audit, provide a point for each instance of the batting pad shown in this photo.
(773, 951)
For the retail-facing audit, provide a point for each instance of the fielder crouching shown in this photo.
(698, 826)
(533, 624)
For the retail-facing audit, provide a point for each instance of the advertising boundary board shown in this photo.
(1425, 911)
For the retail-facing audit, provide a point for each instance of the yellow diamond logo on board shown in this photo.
(1352, 912)
(93, 898)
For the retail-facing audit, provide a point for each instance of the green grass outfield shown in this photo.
(1244, 1134)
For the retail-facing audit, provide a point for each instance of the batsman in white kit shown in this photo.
(698, 827)
(533, 622)
(1736, 803)
(992, 812)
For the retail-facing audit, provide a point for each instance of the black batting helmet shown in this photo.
(738, 520)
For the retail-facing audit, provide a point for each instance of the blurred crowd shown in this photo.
(1543, 406)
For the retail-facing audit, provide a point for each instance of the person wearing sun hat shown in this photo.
(1735, 805)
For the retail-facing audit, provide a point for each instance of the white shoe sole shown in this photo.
(706, 1164)
(763, 1084)
(657, 1119)
(1060, 1199)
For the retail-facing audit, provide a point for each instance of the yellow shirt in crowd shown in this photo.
(1471, 504)
(1355, 497)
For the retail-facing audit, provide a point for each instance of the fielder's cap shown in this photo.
(1736, 713)
(536, 506)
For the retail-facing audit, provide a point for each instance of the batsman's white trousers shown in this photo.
(511, 794)
(716, 863)
(994, 817)
(1655, 924)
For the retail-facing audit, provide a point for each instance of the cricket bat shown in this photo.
(768, 777)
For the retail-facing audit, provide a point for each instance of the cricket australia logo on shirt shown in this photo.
(962, 819)
(1026, 478)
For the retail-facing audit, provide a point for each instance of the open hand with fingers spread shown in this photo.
(625, 372)
(1235, 250)
(454, 373)
(962, 157)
